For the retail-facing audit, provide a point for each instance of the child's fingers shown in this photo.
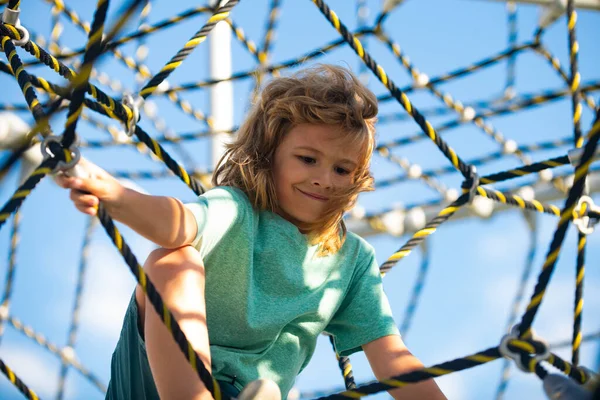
(62, 180)
(92, 211)
(83, 199)
(88, 185)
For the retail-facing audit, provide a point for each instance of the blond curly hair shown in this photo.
(324, 94)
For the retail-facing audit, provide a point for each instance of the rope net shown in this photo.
(127, 87)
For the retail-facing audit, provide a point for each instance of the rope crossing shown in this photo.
(62, 153)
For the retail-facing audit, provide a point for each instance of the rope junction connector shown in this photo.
(471, 183)
(11, 17)
(574, 156)
(134, 103)
(52, 148)
(526, 353)
(586, 215)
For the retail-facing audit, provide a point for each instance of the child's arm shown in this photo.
(160, 219)
(389, 357)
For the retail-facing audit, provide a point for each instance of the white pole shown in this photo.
(221, 94)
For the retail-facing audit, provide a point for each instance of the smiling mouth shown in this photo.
(314, 197)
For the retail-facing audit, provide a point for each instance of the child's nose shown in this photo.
(322, 179)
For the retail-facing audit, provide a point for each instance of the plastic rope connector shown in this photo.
(51, 148)
(11, 17)
(134, 103)
(586, 214)
(541, 350)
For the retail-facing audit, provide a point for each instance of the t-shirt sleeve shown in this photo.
(217, 212)
(365, 313)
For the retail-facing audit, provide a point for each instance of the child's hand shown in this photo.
(95, 186)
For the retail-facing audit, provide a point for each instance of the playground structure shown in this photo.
(421, 218)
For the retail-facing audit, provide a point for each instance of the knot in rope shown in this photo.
(525, 352)
(471, 183)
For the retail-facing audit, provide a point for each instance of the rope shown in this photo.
(513, 33)
(161, 309)
(555, 64)
(66, 354)
(182, 54)
(566, 213)
(523, 103)
(14, 379)
(427, 128)
(575, 78)
(532, 222)
(460, 72)
(416, 291)
(12, 205)
(447, 98)
(574, 81)
(420, 375)
(20, 73)
(108, 106)
(93, 50)
(481, 161)
(344, 366)
(10, 272)
(578, 303)
(72, 335)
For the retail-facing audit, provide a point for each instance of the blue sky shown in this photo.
(475, 263)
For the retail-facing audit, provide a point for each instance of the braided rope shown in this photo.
(344, 366)
(453, 104)
(417, 290)
(427, 128)
(513, 33)
(566, 214)
(14, 379)
(522, 103)
(160, 307)
(72, 335)
(532, 221)
(578, 301)
(555, 64)
(219, 15)
(65, 354)
(10, 272)
(574, 81)
(92, 51)
(460, 72)
(553, 211)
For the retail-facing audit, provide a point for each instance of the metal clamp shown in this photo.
(134, 103)
(582, 219)
(62, 165)
(11, 17)
(516, 356)
(471, 183)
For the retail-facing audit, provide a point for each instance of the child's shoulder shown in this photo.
(227, 194)
(358, 245)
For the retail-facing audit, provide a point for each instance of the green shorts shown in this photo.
(130, 375)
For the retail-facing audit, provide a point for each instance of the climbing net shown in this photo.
(136, 115)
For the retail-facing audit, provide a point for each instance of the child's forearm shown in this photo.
(160, 219)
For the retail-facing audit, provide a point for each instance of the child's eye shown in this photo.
(307, 160)
(342, 171)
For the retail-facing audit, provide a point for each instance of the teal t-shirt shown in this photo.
(268, 296)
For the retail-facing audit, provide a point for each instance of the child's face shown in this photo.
(311, 161)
